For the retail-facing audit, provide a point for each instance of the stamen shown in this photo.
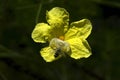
(61, 38)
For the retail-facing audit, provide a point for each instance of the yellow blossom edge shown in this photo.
(41, 33)
(44, 32)
(48, 54)
(81, 29)
(79, 48)
(58, 17)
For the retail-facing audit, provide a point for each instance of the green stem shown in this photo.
(38, 12)
(109, 3)
(2, 76)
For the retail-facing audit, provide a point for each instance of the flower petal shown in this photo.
(79, 48)
(41, 33)
(48, 54)
(81, 29)
(58, 17)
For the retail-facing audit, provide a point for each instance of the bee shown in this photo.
(60, 47)
(58, 52)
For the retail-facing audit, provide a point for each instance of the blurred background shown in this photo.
(19, 54)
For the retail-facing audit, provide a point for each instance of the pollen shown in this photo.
(61, 38)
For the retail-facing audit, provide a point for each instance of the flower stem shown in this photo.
(38, 12)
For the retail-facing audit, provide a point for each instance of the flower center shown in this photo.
(61, 38)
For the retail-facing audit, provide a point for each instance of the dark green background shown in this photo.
(19, 55)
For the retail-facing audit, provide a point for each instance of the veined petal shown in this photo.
(81, 29)
(58, 17)
(48, 54)
(41, 33)
(79, 48)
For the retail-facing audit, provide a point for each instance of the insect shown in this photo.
(60, 47)
(58, 52)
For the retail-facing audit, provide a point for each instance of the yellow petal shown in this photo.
(48, 54)
(41, 33)
(79, 48)
(58, 17)
(81, 29)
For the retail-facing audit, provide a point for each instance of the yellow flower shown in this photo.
(64, 39)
